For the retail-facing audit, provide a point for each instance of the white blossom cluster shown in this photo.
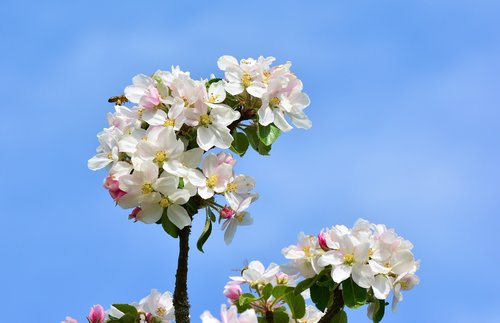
(375, 257)
(156, 149)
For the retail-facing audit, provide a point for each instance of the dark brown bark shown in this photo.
(181, 301)
(338, 304)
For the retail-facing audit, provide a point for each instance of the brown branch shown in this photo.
(338, 304)
(181, 301)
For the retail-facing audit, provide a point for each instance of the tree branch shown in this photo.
(338, 304)
(181, 301)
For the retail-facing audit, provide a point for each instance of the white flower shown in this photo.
(173, 118)
(230, 316)
(244, 76)
(169, 197)
(158, 304)
(163, 147)
(304, 255)
(212, 125)
(256, 273)
(239, 187)
(143, 92)
(238, 217)
(213, 179)
(284, 96)
(107, 152)
(350, 259)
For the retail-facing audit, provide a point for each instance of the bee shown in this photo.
(119, 99)
(245, 267)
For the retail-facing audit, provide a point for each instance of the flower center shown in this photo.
(110, 155)
(404, 285)
(274, 102)
(161, 310)
(211, 181)
(165, 202)
(169, 123)
(205, 120)
(213, 98)
(246, 80)
(307, 251)
(186, 101)
(147, 188)
(231, 187)
(348, 258)
(160, 157)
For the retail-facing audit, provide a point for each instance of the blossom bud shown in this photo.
(232, 291)
(223, 158)
(322, 241)
(97, 314)
(113, 186)
(281, 278)
(134, 213)
(227, 213)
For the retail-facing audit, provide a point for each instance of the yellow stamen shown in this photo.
(307, 251)
(246, 80)
(160, 311)
(404, 285)
(169, 123)
(211, 181)
(274, 102)
(240, 217)
(147, 188)
(205, 120)
(186, 101)
(348, 258)
(213, 98)
(110, 155)
(231, 187)
(160, 157)
(164, 202)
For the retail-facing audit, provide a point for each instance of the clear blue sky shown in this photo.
(406, 112)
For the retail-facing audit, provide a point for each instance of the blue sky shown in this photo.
(405, 110)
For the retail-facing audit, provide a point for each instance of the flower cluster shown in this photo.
(360, 266)
(157, 150)
(373, 256)
(154, 308)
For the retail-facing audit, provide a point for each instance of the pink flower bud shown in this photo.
(134, 213)
(226, 213)
(113, 186)
(281, 278)
(69, 319)
(223, 158)
(232, 291)
(322, 241)
(97, 314)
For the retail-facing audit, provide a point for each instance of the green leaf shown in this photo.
(281, 290)
(207, 230)
(240, 143)
(266, 291)
(379, 311)
(168, 226)
(246, 299)
(305, 284)
(297, 305)
(126, 308)
(268, 134)
(280, 317)
(211, 214)
(340, 317)
(255, 142)
(354, 296)
(320, 296)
